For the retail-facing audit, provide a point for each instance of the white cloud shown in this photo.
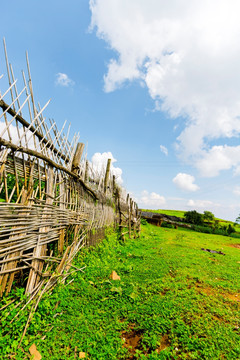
(63, 80)
(151, 200)
(14, 134)
(219, 158)
(164, 149)
(185, 182)
(199, 203)
(188, 55)
(99, 164)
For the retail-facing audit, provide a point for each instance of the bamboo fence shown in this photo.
(52, 202)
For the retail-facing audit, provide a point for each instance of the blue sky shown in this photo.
(155, 84)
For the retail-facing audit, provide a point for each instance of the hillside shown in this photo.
(221, 223)
(172, 301)
(180, 213)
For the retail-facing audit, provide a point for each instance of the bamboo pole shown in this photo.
(77, 158)
(130, 217)
(61, 206)
(86, 172)
(107, 175)
(40, 250)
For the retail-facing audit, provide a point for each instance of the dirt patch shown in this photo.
(237, 246)
(219, 318)
(164, 343)
(206, 290)
(233, 297)
(132, 340)
(210, 292)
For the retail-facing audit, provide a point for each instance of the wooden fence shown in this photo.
(52, 201)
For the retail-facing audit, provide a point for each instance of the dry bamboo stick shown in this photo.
(7, 65)
(6, 92)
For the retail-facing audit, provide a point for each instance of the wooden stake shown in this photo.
(86, 173)
(107, 175)
(77, 158)
(130, 218)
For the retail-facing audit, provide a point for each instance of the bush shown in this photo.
(208, 216)
(235, 235)
(203, 229)
(165, 224)
(193, 217)
(143, 221)
(230, 229)
(220, 231)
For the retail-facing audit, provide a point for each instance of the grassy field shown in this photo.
(173, 301)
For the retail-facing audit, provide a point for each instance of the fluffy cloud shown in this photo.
(199, 203)
(99, 163)
(164, 149)
(151, 200)
(14, 133)
(185, 182)
(63, 80)
(187, 54)
(219, 158)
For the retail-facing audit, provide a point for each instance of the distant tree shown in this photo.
(208, 216)
(238, 219)
(230, 229)
(216, 224)
(193, 217)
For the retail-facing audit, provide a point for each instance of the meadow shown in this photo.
(173, 301)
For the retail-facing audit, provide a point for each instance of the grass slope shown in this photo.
(174, 301)
(178, 213)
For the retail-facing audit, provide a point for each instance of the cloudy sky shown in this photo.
(153, 84)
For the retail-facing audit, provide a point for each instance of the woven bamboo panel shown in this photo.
(52, 202)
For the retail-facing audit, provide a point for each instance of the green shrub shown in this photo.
(143, 221)
(203, 229)
(193, 217)
(230, 229)
(167, 225)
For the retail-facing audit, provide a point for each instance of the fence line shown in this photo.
(51, 199)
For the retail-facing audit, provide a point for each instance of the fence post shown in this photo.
(107, 175)
(40, 250)
(77, 158)
(86, 173)
(114, 184)
(134, 219)
(61, 207)
(130, 218)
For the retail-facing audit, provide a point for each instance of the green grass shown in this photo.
(174, 301)
(178, 213)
